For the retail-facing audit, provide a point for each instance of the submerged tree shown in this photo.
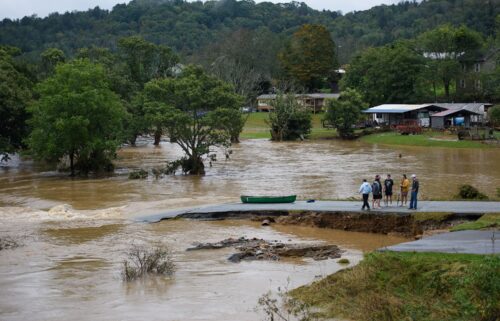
(345, 112)
(77, 116)
(192, 108)
(289, 120)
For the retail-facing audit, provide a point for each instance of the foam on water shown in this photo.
(62, 212)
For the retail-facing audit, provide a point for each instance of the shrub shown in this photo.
(140, 174)
(470, 192)
(343, 261)
(289, 120)
(142, 261)
(345, 112)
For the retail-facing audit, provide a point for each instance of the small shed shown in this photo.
(446, 118)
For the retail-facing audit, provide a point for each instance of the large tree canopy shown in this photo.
(191, 107)
(389, 74)
(443, 46)
(345, 112)
(143, 61)
(15, 94)
(77, 116)
(246, 59)
(310, 56)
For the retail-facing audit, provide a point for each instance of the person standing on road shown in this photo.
(405, 186)
(388, 184)
(414, 192)
(365, 189)
(377, 192)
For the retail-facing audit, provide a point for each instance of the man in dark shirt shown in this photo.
(388, 183)
(414, 192)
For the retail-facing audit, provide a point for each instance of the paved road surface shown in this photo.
(332, 206)
(471, 242)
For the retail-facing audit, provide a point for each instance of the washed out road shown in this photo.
(458, 207)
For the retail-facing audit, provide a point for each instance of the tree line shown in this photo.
(190, 28)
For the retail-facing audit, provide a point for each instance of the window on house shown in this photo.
(379, 116)
(464, 67)
(462, 83)
(477, 84)
(477, 67)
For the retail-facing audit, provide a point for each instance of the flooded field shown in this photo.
(75, 233)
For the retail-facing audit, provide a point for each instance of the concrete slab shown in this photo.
(470, 242)
(462, 207)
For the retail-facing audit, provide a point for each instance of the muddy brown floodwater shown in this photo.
(70, 270)
(74, 233)
(319, 170)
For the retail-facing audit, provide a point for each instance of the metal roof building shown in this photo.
(428, 114)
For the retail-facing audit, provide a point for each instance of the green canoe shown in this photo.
(269, 199)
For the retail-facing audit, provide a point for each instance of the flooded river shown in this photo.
(318, 170)
(75, 233)
(70, 270)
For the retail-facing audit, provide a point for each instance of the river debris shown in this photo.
(7, 243)
(259, 249)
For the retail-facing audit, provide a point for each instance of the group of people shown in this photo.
(385, 189)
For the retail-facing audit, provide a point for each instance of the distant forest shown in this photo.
(192, 29)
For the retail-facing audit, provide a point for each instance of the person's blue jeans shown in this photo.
(413, 200)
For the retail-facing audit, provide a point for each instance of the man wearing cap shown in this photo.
(414, 192)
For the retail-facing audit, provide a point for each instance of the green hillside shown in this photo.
(188, 27)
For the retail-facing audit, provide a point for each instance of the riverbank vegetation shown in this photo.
(410, 286)
(469, 192)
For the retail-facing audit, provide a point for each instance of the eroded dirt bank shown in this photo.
(408, 225)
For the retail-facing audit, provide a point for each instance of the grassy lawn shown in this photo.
(485, 221)
(427, 139)
(410, 286)
(256, 127)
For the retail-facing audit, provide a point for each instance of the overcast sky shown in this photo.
(20, 8)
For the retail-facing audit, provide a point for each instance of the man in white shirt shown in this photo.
(365, 189)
